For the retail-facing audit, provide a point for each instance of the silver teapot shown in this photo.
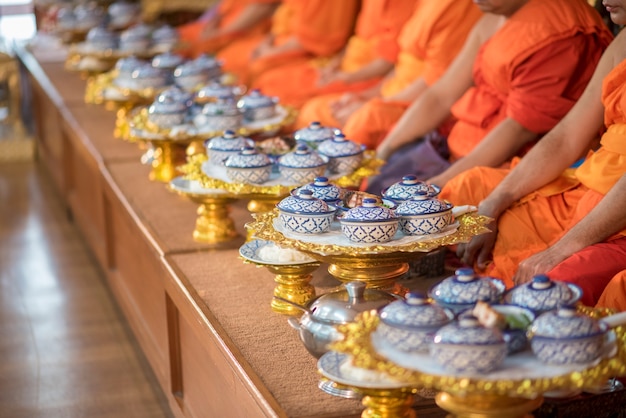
(322, 314)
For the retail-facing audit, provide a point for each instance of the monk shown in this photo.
(548, 217)
(301, 30)
(428, 43)
(614, 294)
(225, 22)
(369, 55)
(522, 68)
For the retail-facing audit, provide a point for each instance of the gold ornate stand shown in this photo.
(487, 406)
(164, 157)
(292, 284)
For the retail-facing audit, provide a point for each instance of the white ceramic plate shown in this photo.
(250, 251)
(332, 365)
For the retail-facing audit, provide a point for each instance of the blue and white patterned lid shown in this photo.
(167, 104)
(415, 311)
(339, 146)
(216, 89)
(565, 322)
(248, 158)
(421, 204)
(188, 68)
(408, 187)
(542, 294)
(315, 132)
(206, 61)
(301, 157)
(369, 211)
(323, 189)
(466, 288)
(229, 141)
(223, 106)
(164, 32)
(256, 99)
(147, 71)
(128, 64)
(468, 331)
(167, 60)
(303, 203)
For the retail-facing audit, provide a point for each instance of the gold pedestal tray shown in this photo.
(101, 89)
(483, 396)
(292, 277)
(379, 266)
(164, 156)
(213, 224)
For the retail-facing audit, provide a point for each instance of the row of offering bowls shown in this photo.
(138, 39)
(85, 16)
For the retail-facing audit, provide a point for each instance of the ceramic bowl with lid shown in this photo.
(542, 294)
(146, 76)
(409, 325)
(564, 336)
(123, 13)
(209, 64)
(168, 110)
(302, 165)
(101, 39)
(317, 326)
(164, 38)
(465, 346)
(344, 156)
(167, 61)
(189, 75)
(134, 40)
(221, 147)
(423, 215)
(323, 189)
(248, 166)
(462, 290)
(314, 134)
(88, 15)
(369, 223)
(124, 68)
(305, 214)
(407, 187)
(257, 106)
(214, 89)
(220, 115)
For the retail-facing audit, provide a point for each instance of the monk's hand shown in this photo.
(540, 263)
(478, 251)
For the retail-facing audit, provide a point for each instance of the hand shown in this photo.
(345, 106)
(539, 263)
(478, 250)
(210, 29)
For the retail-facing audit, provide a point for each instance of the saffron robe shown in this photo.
(321, 27)
(377, 28)
(614, 294)
(428, 42)
(541, 218)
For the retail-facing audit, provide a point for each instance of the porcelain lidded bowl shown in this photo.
(423, 215)
(465, 346)
(164, 38)
(369, 223)
(248, 166)
(168, 110)
(66, 19)
(542, 294)
(101, 39)
(147, 76)
(305, 214)
(407, 187)
(123, 13)
(302, 165)
(88, 15)
(257, 106)
(211, 65)
(323, 189)
(221, 147)
(134, 39)
(564, 336)
(214, 89)
(220, 115)
(317, 326)
(344, 156)
(125, 67)
(190, 75)
(167, 61)
(409, 325)
(462, 290)
(314, 134)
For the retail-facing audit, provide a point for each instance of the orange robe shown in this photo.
(428, 43)
(228, 11)
(377, 28)
(614, 294)
(322, 28)
(541, 218)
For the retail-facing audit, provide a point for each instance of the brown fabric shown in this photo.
(240, 297)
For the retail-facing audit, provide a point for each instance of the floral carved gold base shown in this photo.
(487, 406)
(164, 157)
(214, 224)
(292, 284)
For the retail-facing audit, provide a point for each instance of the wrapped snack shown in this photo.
(274, 254)
(488, 316)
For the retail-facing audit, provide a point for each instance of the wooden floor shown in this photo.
(65, 348)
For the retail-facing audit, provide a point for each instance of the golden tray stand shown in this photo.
(465, 397)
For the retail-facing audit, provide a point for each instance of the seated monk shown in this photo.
(225, 22)
(550, 218)
(368, 56)
(518, 74)
(428, 43)
(301, 30)
(614, 294)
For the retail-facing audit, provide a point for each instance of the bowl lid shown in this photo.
(369, 211)
(216, 89)
(223, 106)
(128, 64)
(315, 132)
(421, 204)
(465, 287)
(206, 61)
(164, 32)
(468, 331)
(248, 157)
(415, 311)
(187, 69)
(323, 189)
(167, 60)
(301, 157)
(256, 99)
(542, 294)
(147, 71)
(341, 306)
(99, 34)
(407, 187)
(303, 203)
(228, 141)
(339, 146)
(565, 322)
